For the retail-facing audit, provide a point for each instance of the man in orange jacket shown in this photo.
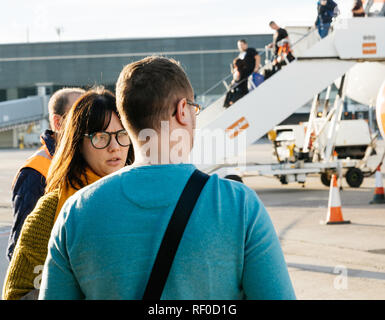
(281, 45)
(29, 183)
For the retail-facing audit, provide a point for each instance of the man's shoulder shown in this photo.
(29, 172)
(28, 178)
(101, 190)
(234, 188)
(282, 33)
(85, 201)
(251, 51)
(236, 197)
(101, 186)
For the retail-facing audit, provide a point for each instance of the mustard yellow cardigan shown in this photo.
(31, 249)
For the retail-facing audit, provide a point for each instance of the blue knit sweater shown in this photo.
(105, 240)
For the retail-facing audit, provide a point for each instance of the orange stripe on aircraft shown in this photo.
(369, 45)
(369, 48)
(237, 127)
(369, 51)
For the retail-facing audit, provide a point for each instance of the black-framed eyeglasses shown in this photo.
(196, 106)
(102, 139)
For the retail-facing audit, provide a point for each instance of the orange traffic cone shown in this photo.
(334, 215)
(379, 189)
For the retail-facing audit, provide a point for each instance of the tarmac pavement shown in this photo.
(328, 261)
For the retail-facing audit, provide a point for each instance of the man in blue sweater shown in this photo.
(105, 240)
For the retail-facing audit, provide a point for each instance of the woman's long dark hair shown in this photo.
(240, 64)
(90, 113)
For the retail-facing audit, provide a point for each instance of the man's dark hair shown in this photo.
(243, 41)
(58, 102)
(271, 22)
(147, 92)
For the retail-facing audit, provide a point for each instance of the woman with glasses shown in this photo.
(93, 145)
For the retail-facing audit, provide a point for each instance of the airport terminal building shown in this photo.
(30, 69)
(86, 63)
(33, 71)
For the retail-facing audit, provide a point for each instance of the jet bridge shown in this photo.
(14, 113)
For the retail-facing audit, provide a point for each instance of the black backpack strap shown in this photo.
(173, 235)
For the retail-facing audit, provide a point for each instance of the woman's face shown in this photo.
(107, 160)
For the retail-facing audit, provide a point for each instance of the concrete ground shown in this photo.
(328, 261)
(325, 261)
(10, 161)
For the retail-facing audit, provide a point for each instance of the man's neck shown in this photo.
(168, 152)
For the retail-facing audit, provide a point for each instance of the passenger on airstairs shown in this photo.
(281, 45)
(253, 63)
(244, 67)
(358, 9)
(238, 86)
(326, 11)
(250, 56)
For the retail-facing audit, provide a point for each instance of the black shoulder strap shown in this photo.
(173, 235)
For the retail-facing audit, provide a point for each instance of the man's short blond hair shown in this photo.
(147, 92)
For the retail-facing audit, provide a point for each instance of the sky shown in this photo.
(53, 20)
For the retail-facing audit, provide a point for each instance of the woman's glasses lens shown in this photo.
(101, 140)
(123, 138)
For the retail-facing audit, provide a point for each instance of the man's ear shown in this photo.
(57, 122)
(181, 112)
